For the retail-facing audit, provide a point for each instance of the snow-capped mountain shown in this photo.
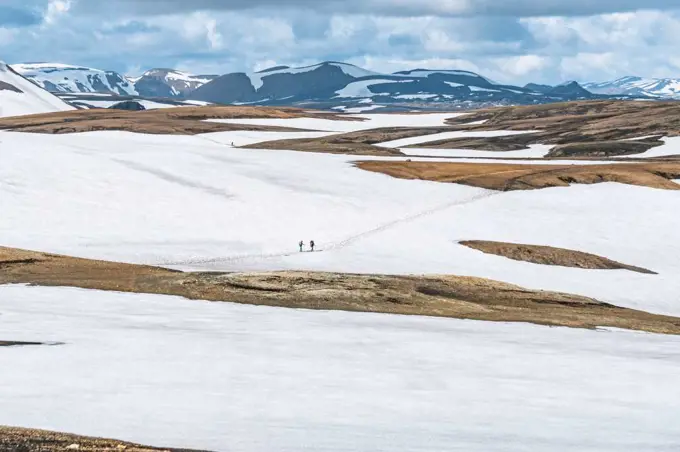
(19, 96)
(168, 83)
(325, 85)
(666, 88)
(280, 83)
(65, 78)
(342, 85)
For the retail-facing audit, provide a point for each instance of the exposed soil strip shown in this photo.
(357, 143)
(443, 296)
(174, 121)
(14, 439)
(548, 255)
(507, 176)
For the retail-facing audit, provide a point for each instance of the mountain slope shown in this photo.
(538, 88)
(65, 78)
(168, 83)
(18, 96)
(570, 89)
(666, 88)
(344, 86)
(280, 83)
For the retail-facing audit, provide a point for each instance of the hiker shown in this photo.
(311, 244)
(301, 244)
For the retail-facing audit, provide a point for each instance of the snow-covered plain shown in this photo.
(197, 203)
(163, 370)
(167, 371)
(671, 146)
(369, 121)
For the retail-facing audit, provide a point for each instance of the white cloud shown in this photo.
(499, 39)
(202, 28)
(55, 9)
(520, 66)
(394, 64)
(264, 64)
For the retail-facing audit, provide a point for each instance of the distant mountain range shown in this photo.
(660, 88)
(344, 86)
(335, 85)
(64, 78)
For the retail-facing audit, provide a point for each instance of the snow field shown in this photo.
(246, 378)
(208, 206)
(671, 146)
(371, 121)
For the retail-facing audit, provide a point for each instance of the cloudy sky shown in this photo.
(513, 41)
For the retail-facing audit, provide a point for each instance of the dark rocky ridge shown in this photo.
(4, 86)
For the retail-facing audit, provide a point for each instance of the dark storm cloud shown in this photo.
(516, 8)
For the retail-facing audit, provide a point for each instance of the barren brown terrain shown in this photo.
(442, 296)
(358, 143)
(548, 255)
(588, 129)
(508, 176)
(177, 121)
(14, 439)
(585, 129)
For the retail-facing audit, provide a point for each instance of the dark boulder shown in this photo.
(130, 105)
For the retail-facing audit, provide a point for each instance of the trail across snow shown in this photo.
(198, 203)
(339, 244)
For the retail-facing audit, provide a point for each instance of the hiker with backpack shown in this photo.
(311, 245)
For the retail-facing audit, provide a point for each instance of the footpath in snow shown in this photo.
(196, 203)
